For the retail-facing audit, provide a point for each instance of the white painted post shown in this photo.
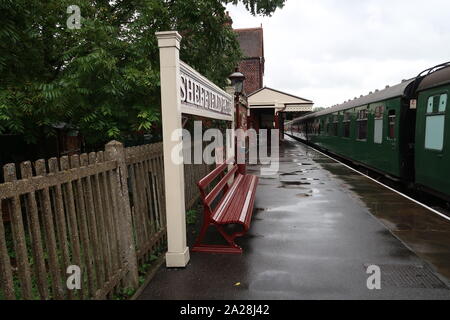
(169, 50)
(278, 108)
(231, 146)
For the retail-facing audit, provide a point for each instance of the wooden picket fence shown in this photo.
(103, 212)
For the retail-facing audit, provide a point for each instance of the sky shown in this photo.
(330, 51)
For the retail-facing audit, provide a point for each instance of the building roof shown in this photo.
(251, 41)
(271, 98)
(281, 93)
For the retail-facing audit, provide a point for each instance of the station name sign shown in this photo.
(199, 93)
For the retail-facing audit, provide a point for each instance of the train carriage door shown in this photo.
(431, 159)
(378, 125)
(392, 119)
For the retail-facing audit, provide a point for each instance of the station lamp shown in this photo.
(237, 81)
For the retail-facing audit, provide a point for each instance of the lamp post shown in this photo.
(237, 81)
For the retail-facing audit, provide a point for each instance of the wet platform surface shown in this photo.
(317, 226)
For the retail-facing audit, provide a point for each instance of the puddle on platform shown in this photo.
(267, 178)
(288, 174)
(295, 183)
(304, 195)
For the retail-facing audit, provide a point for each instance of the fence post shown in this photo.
(115, 151)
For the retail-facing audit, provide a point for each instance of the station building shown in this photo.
(268, 108)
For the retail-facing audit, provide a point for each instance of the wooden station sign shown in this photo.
(201, 97)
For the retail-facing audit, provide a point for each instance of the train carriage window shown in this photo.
(346, 125)
(378, 125)
(329, 126)
(391, 118)
(430, 105)
(442, 102)
(435, 122)
(335, 125)
(434, 132)
(378, 131)
(362, 125)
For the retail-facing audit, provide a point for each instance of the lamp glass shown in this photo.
(239, 86)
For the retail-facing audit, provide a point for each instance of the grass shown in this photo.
(144, 270)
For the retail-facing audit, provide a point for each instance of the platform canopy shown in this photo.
(268, 98)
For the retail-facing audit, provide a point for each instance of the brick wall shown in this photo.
(252, 68)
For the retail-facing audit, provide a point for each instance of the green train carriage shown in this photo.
(399, 132)
(432, 147)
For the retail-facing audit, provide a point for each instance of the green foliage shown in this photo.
(263, 7)
(103, 79)
(191, 217)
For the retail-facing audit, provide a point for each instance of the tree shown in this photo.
(103, 79)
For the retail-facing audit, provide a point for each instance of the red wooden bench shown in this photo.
(226, 204)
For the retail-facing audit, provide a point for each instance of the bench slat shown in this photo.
(206, 181)
(219, 187)
(224, 205)
(241, 202)
(247, 210)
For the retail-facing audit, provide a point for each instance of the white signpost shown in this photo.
(183, 90)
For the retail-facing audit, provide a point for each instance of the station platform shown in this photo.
(317, 226)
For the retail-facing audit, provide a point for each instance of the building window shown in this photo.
(362, 124)
(392, 118)
(346, 124)
(378, 125)
(435, 122)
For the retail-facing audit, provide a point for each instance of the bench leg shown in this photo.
(201, 235)
(232, 247)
